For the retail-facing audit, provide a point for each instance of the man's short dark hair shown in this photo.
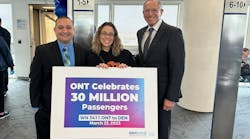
(61, 17)
(245, 49)
(0, 20)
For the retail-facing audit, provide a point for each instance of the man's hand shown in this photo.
(168, 105)
(102, 65)
(35, 108)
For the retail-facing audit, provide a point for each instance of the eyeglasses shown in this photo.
(151, 10)
(110, 34)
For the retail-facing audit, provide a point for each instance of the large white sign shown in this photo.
(95, 103)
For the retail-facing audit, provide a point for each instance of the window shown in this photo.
(102, 14)
(127, 26)
(128, 18)
(6, 16)
(170, 14)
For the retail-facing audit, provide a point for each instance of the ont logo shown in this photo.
(83, 2)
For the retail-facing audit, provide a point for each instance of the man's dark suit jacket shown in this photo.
(47, 56)
(5, 55)
(166, 52)
(6, 35)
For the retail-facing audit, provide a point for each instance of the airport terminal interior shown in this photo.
(31, 23)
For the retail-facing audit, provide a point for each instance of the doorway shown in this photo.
(42, 19)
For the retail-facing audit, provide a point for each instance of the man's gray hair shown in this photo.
(159, 2)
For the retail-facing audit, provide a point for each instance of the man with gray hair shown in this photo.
(162, 46)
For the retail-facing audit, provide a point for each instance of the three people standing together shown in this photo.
(159, 45)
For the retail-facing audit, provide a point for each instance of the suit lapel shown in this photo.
(77, 55)
(140, 38)
(57, 53)
(157, 37)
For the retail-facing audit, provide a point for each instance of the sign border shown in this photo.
(58, 103)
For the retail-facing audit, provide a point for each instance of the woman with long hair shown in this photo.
(107, 50)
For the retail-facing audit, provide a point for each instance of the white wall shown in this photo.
(202, 22)
(20, 10)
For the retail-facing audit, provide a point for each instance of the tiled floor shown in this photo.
(185, 124)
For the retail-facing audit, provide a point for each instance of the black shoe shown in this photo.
(6, 114)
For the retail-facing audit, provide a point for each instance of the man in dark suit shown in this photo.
(166, 52)
(5, 34)
(7, 37)
(62, 52)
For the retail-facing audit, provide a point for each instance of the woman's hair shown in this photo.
(116, 46)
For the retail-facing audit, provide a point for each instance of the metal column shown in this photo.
(232, 40)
